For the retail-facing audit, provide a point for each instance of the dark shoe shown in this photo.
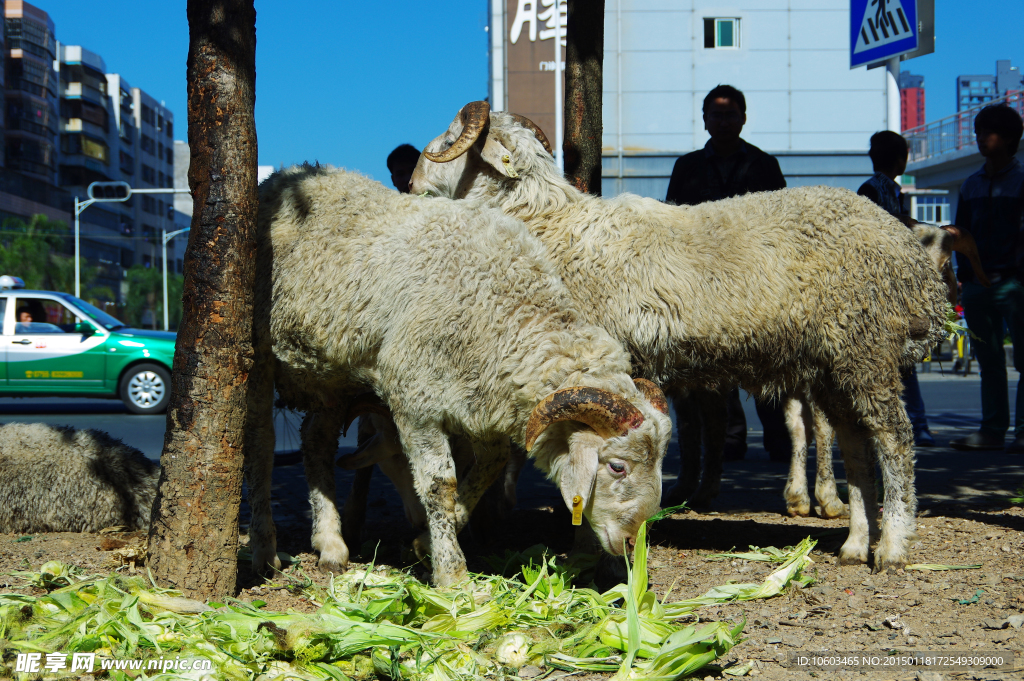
(1017, 446)
(978, 441)
(924, 438)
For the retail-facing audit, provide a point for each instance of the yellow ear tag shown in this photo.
(507, 162)
(577, 510)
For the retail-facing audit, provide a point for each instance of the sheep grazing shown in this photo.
(453, 315)
(808, 288)
(58, 479)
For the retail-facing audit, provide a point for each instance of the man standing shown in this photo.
(991, 208)
(889, 153)
(727, 166)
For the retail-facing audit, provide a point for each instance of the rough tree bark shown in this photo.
(584, 54)
(193, 539)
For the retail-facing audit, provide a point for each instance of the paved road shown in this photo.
(944, 476)
(144, 432)
(953, 404)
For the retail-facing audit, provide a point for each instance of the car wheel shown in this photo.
(146, 389)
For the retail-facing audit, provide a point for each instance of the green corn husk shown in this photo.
(789, 572)
(385, 623)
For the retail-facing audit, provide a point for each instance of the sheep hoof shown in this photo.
(331, 562)
(265, 560)
(799, 509)
(833, 509)
(853, 555)
(886, 557)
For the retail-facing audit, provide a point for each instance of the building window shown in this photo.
(170, 155)
(148, 174)
(148, 116)
(934, 209)
(180, 265)
(170, 129)
(148, 204)
(148, 145)
(127, 162)
(721, 33)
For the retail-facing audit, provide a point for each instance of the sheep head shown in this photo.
(479, 148)
(940, 243)
(604, 452)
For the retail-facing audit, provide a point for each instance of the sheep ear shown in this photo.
(577, 479)
(498, 156)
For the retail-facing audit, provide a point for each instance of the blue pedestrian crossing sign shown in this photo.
(880, 29)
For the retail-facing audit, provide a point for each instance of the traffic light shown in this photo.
(109, 191)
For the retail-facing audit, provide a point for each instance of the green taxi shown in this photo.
(56, 344)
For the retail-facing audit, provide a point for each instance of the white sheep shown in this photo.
(58, 479)
(453, 315)
(813, 288)
(805, 421)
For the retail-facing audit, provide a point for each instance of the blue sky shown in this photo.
(337, 81)
(969, 38)
(344, 82)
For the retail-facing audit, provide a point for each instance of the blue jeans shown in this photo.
(989, 312)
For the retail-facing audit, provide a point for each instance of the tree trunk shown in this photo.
(584, 55)
(193, 540)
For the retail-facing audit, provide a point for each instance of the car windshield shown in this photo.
(106, 321)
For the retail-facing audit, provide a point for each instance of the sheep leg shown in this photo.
(830, 505)
(259, 466)
(500, 498)
(434, 478)
(798, 502)
(688, 434)
(320, 433)
(895, 452)
(353, 514)
(491, 457)
(713, 413)
(860, 475)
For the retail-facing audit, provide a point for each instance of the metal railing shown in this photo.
(953, 133)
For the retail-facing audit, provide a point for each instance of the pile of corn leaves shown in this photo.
(386, 624)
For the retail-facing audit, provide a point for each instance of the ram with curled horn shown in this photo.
(452, 314)
(772, 291)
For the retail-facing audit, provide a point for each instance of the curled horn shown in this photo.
(963, 243)
(653, 393)
(532, 127)
(366, 403)
(610, 415)
(475, 117)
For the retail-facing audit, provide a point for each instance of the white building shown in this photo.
(789, 57)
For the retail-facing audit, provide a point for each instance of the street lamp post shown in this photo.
(116, 192)
(167, 237)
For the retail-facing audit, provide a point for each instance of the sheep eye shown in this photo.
(617, 467)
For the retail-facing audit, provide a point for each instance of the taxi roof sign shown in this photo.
(109, 191)
(881, 29)
(9, 282)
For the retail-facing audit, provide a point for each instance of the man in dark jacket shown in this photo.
(991, 208)
(727, 166)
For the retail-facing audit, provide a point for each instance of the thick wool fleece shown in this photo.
(451, 312)
(811, 289)
(58, 479)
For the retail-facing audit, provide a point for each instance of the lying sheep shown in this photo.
(811, 288)
(452, 314)
(58, 479)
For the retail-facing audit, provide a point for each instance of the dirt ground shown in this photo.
(963, 520)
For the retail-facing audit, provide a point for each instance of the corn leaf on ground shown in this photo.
(383, 623)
